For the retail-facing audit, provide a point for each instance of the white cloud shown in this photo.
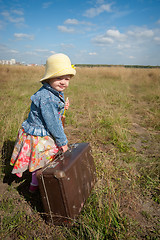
(18, 12)
(92, 53)
(157, 39)
(132, 39)
(138, 45)
(1, 25)
(158, 21)
(31, 53)
(109, 37)
(65, 29)
(75, 26)
(12, 19)
(115, 34)
(21, 36)
(92, 12)
(5, 50)
(102, 40)
(46, 4)
(141, 33)
(66, 46)
(123, 46)
(41, 50)
(3, 47)
(71, 21)
(100, 1)
(131, 57)
(13, 51)
(77, 22)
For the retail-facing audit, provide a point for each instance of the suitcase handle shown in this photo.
(70, 148)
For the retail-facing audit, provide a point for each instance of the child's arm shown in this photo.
(50, 114)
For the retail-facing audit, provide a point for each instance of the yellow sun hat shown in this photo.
(58, 65)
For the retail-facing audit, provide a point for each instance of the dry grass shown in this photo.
(116, 109)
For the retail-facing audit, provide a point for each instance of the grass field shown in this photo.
(116, 110)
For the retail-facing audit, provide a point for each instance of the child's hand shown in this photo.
(66, 104)
(64, 148)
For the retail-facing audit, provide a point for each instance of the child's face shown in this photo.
(60, 83)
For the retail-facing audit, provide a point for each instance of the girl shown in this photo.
(42, 135)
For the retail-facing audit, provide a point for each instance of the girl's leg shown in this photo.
(34, 181)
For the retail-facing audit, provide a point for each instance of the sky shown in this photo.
(89, 32)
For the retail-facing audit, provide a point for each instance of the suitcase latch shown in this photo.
(59, 174)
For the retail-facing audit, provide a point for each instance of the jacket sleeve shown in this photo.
(49, 111)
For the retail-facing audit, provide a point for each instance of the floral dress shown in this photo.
(32, 152)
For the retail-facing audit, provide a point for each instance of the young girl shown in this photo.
(42, 135)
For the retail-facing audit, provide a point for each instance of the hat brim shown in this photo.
(71, 71)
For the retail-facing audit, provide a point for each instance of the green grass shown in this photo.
(116, 110)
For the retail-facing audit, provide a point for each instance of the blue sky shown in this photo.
(93, 32)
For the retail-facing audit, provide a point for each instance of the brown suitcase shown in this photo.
(66, 183)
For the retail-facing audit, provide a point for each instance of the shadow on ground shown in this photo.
(34, 200)
(21, 184)
(7, 150)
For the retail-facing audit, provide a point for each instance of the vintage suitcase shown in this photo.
(66, 183)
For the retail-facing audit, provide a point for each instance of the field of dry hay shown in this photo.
(116, 110)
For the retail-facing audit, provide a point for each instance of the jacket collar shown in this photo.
(55, 92)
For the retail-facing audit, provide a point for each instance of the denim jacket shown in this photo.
(45, 114)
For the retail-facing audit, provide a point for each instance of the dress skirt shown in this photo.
(32, 152)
